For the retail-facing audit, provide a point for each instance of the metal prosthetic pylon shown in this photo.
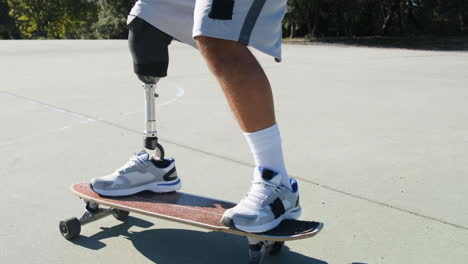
(150, 140)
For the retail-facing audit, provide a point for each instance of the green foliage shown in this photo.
(303, 13)
(51, 18)
(348, 18)
(112, 17)
(304, 18)
(7, 23)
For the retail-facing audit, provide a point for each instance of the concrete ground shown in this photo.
(378, 139)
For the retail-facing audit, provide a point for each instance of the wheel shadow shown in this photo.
(94, 242)
(187, 246)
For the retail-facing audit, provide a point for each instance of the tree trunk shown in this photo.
(313, 29)
(389, 18)
(400, 19)
(312, 25)
(340, 19)
(292, 28)
(461, 17)
(462, 25)
(411, 16)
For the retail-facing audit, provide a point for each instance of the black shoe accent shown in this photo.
(296, 227)
(227, 221)
(294, 187)
(297, 202)
(171, 175)
(277, 208)
(161, 163)
(268, 174)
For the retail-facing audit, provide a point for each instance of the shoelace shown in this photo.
(135, 160)
(260, 191)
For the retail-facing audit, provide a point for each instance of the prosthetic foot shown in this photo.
(143, 172)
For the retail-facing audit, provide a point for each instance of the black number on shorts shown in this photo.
(222, 9)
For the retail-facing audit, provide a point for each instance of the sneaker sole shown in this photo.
(157, 187)
(294, 213)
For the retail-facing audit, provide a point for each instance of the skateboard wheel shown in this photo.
(70, 228)
(120, 214)
(276, 248)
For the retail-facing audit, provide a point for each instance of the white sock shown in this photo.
(267, 151)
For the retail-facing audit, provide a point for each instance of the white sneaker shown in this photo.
(140, 173)
(266, 205)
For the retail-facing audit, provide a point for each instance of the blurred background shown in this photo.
(306, 20)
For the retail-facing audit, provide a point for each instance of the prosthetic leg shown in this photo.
(149, 48)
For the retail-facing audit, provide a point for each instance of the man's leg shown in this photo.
(249, 94)
(243, 80)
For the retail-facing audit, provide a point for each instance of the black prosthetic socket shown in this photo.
(149, 48)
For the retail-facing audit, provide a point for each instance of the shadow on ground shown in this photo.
(416, 43)
(186, 246)
(94, 242)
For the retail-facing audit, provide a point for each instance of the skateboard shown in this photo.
(184, 208)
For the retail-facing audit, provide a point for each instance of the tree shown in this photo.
(112, 18)
(50, 18)
(304, 18)
(390, 15)
(8, 28)
(304, 12)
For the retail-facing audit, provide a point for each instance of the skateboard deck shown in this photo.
(184, 208)
(193, 210)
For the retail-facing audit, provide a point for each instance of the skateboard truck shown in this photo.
(71, 227)
(150, 140)
(258, 248)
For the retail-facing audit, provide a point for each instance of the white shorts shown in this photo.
(256, 23)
